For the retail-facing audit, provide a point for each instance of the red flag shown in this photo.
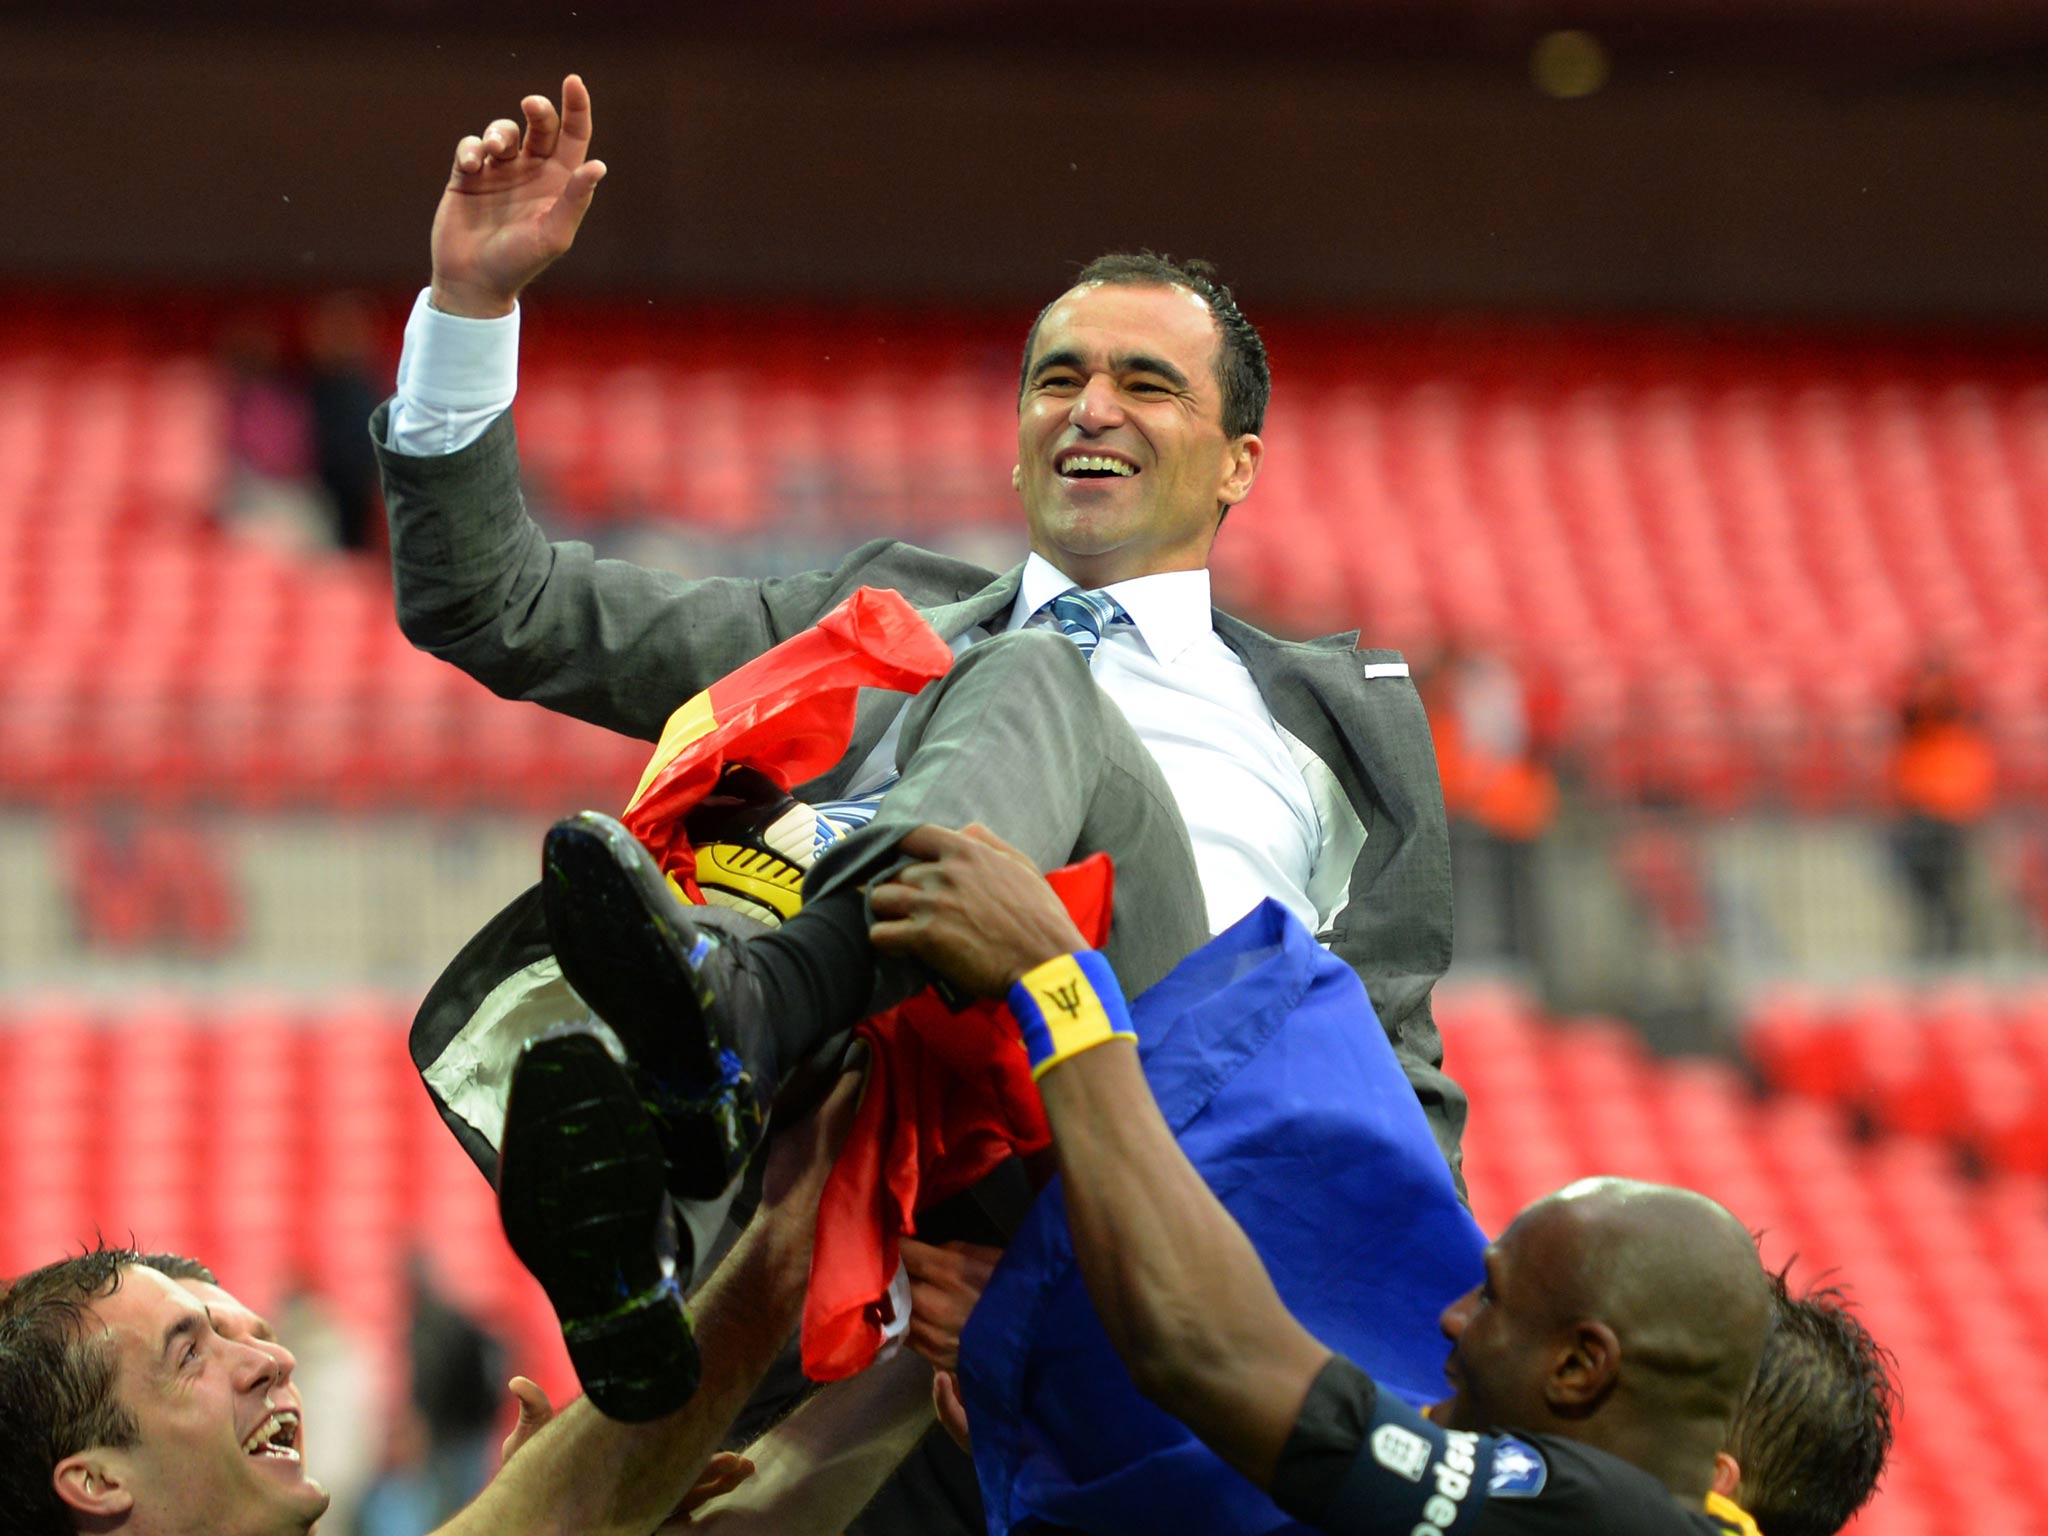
(788, 713)
(949, 1098)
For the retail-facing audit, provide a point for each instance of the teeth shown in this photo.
(1077, 461)
(279, 1427)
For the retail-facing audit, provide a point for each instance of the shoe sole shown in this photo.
(633, 959)
(583, 1195)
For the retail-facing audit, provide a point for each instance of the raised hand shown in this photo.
(514, 200)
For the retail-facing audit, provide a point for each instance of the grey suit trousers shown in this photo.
(1017, 736)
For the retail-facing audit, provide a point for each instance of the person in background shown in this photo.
(1944, 780)
(341, 390)
(1499, 794)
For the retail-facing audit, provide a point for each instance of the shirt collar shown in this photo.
(1170, 609)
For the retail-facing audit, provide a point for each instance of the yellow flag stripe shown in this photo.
(773, 882)
(691, 722)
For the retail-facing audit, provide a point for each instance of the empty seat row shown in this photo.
(1717, 553)
(1967, 1065)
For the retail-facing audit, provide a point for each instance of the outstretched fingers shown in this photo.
(542, 134)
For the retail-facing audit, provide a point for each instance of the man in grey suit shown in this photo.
(1219, 765)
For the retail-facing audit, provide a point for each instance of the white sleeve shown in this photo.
(455, 377)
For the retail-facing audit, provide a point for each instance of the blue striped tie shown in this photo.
(1080, 616)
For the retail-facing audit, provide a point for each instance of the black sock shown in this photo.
(812, 978)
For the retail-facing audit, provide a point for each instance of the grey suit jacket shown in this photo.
(478, 584)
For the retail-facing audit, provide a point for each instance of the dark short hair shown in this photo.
(176, 1266)
(1814, 1431)
(57, 1384)
(1241, 371)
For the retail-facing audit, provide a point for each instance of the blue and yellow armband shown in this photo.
(1067, 1006)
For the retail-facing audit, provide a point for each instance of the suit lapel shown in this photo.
(954, 619)
(1321, 697)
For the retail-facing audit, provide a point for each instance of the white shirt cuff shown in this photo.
(456, 375)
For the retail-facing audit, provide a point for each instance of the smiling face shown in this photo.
(238, 1324)
(219, 1444)
(1122, 460)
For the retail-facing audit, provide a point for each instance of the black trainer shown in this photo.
(628, 946)
(583, 1194)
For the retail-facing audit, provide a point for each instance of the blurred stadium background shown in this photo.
(1667, 376)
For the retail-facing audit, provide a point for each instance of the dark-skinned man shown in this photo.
(1805, 1453)
(1596, 1371)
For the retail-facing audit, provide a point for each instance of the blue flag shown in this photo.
(1275, 1077)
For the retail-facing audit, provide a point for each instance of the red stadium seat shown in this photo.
(1634, 508)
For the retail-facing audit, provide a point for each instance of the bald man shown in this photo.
(1596, 1370)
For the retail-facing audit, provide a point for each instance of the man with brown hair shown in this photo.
(133, 1403)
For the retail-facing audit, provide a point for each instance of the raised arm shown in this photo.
(1179, 1289)
(477, 583)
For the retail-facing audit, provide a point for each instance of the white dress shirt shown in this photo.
(1254, 825)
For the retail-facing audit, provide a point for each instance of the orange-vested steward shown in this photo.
(1512, 797)
(1945, 769)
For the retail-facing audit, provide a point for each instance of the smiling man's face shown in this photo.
(1122, 460)
(219, 1443)
(238, 1323)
